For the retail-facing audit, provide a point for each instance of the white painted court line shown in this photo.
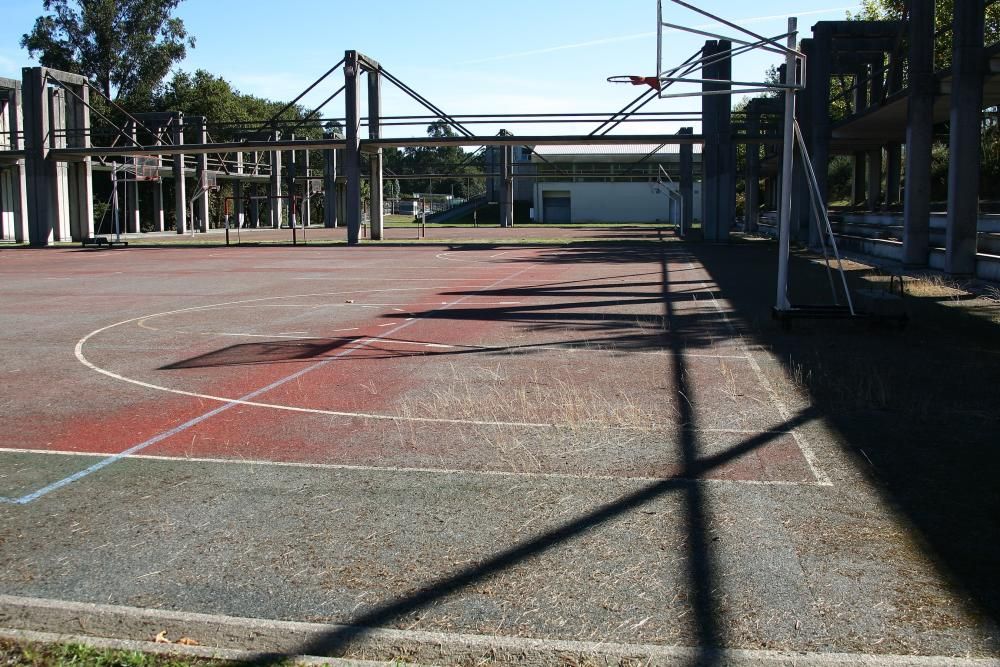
(783, 411)
(31, 497)
(402, 469)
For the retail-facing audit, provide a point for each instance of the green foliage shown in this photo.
(126, 47)
(204, 94)
(839, 178)
(437, 160)
(894, 10)
(15, 654)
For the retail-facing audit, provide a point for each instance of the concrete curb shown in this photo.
(248, 638)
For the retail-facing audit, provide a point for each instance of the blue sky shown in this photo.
(515, 56)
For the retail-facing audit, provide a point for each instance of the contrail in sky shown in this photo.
(641, 35)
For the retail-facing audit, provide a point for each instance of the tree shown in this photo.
(440, 160)
(125, 47)
(895, 10)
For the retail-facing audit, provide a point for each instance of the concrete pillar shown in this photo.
(306, 208)
(802, 224)
(330, 218)
(352, 153)
(294, 203)
(893, 164)
(180, 190)
(817, 134)
(80, 173)
(238, 210)
(275, 204)
(859, 181)
(201, 206)
(255, 204)
(133, 222)
(255, 193)
(159, 223)
(861, 90)
(58, 109)
(20, 196)
(687, 182)
(718, 158)
(876, 89)
(507, 199)
(751, 202)
(919, 135)
(375, 157)
(874, 179)
(964, 138)
(770, 193)
(40, 181)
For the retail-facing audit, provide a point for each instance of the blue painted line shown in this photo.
(104, 463)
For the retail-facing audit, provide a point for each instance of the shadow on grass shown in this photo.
(918, 407)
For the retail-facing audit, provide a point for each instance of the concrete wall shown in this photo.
(614, 202)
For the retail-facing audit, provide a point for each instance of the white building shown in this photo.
(627, 183)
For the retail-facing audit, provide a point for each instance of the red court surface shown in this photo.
(510, 361)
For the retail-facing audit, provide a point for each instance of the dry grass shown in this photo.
(492, 394)
(523, 416)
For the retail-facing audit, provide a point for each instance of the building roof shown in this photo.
(610, 153)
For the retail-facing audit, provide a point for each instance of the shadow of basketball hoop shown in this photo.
(270, 352)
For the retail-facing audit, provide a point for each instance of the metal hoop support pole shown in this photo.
(787, 156)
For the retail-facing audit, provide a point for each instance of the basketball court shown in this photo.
(482, 446)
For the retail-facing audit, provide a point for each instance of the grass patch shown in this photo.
(30, 654)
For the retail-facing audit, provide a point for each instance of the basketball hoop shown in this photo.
(209, 181)
(146, 168)
(651, 81)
